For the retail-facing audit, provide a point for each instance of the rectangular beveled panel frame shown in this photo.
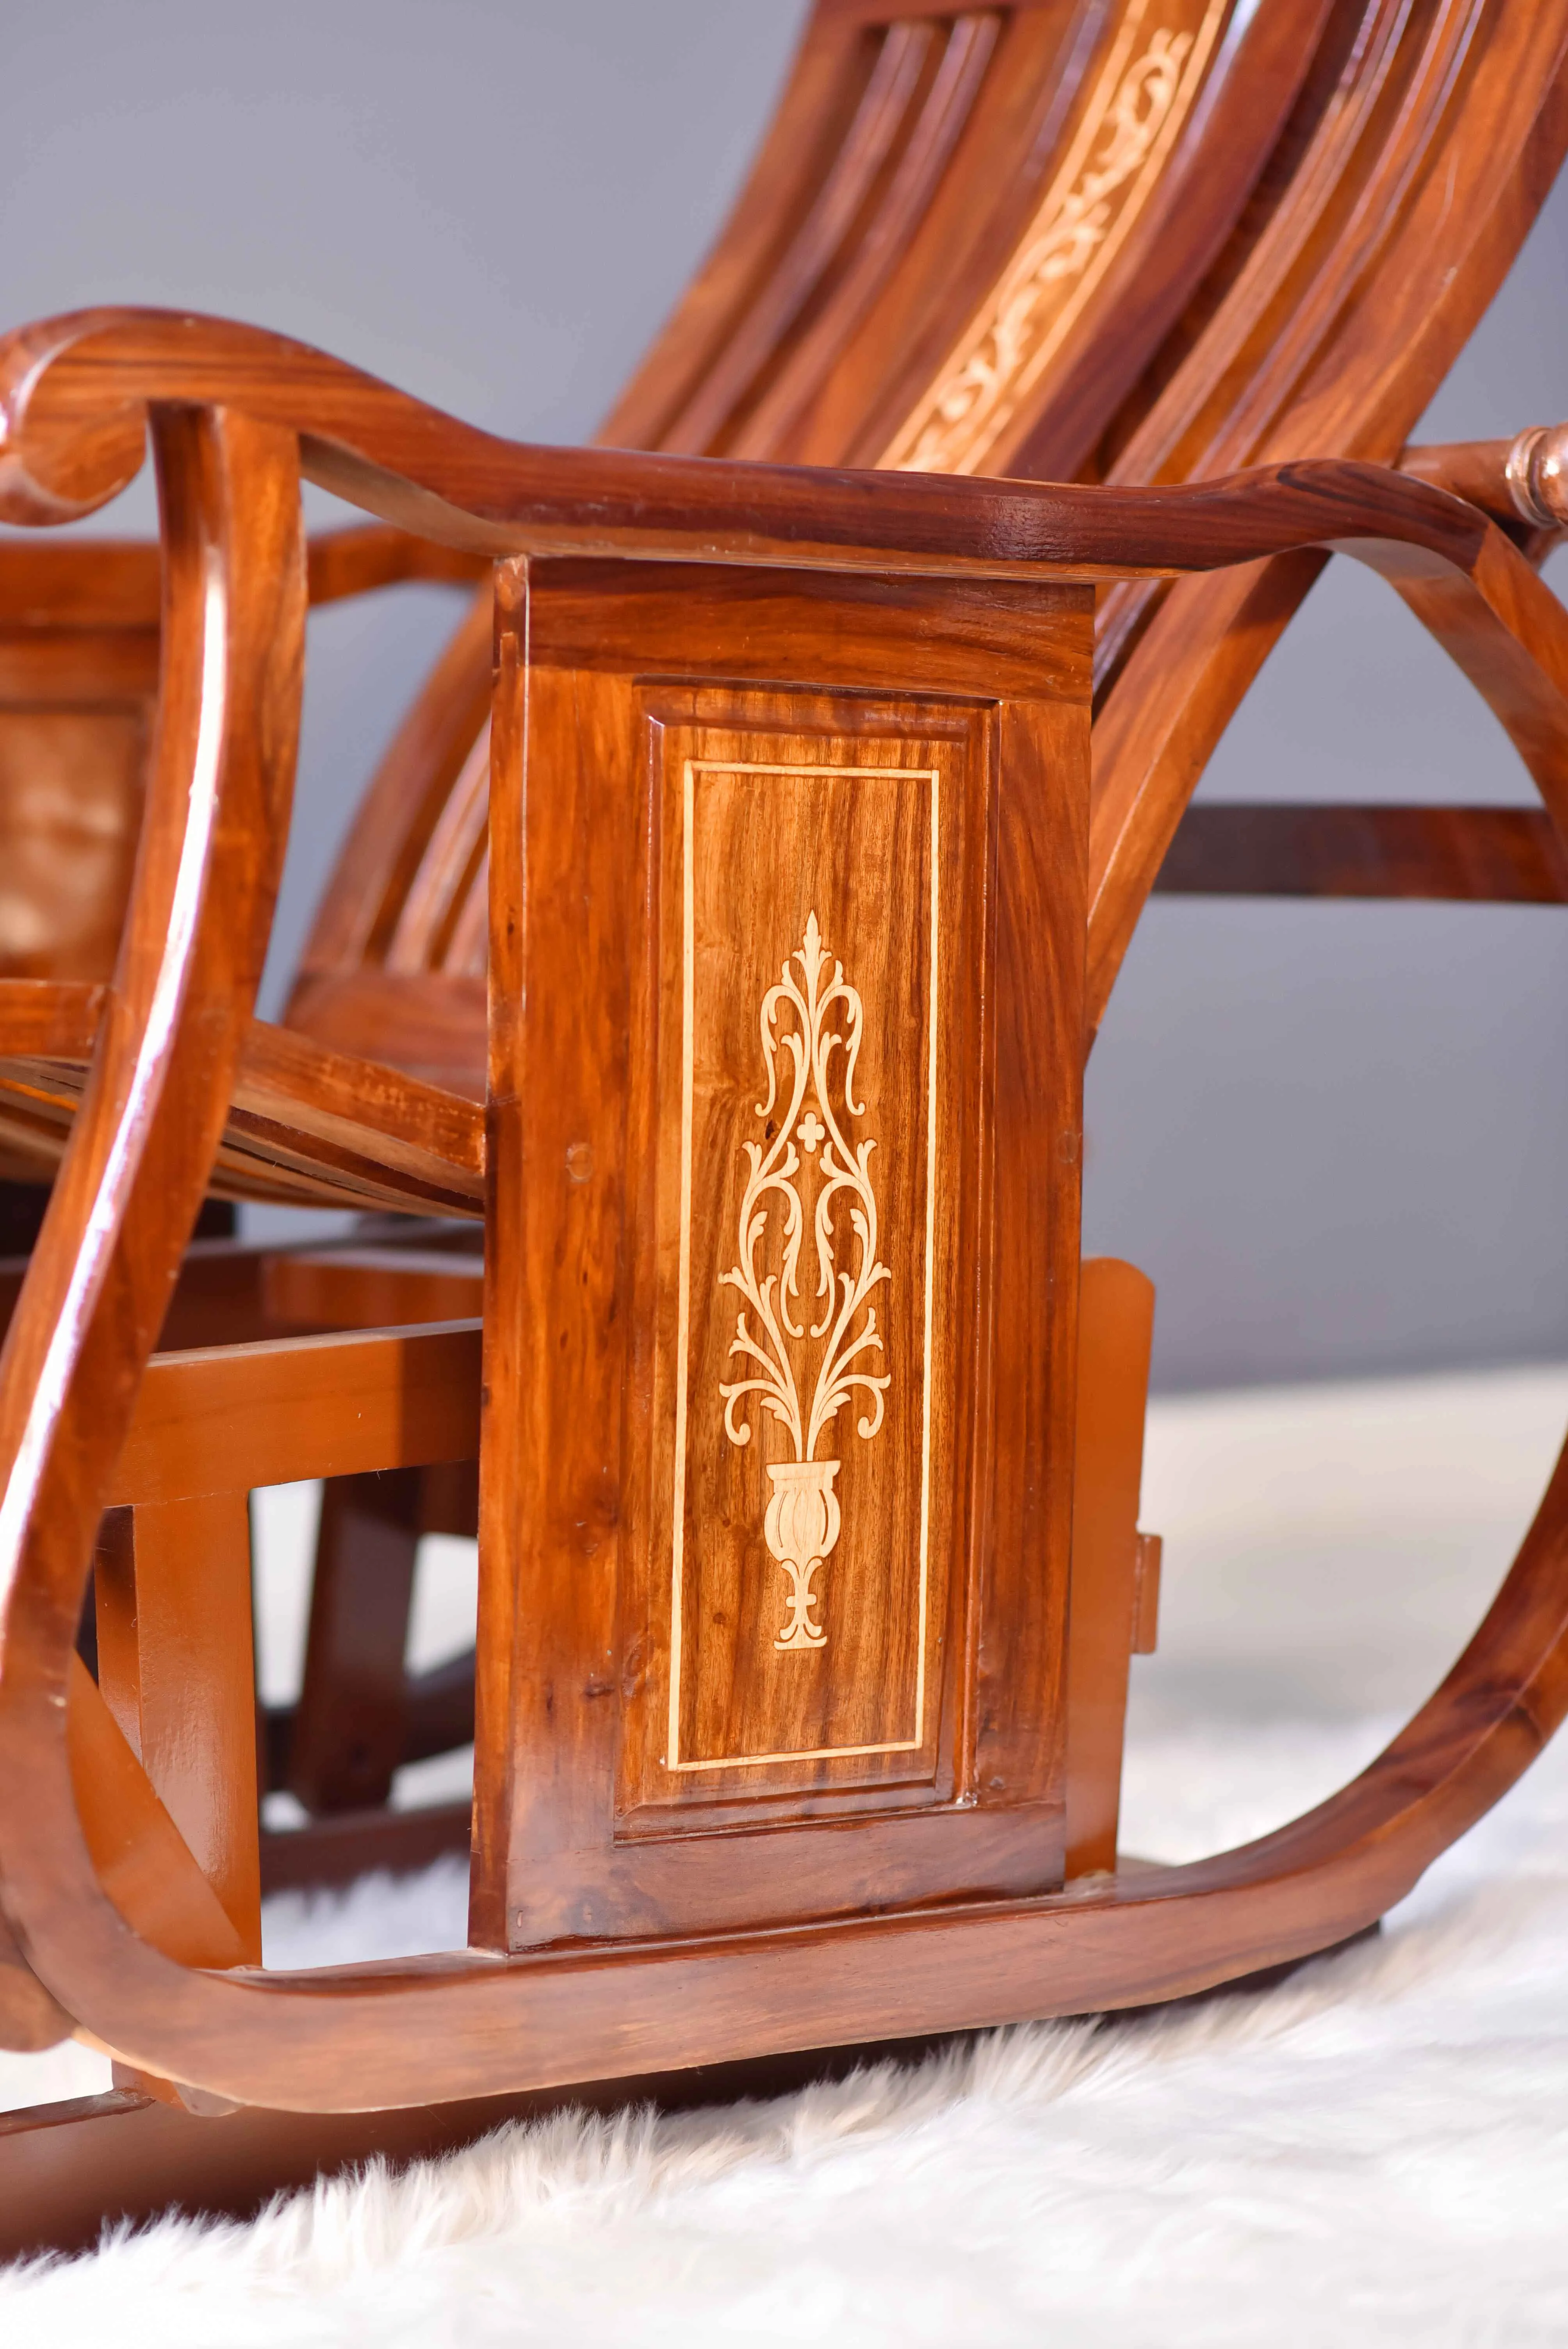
(814, 1081)
(788, 915)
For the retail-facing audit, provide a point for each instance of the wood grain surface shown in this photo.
(1247, 244)
(551, 1869)
(694, 845)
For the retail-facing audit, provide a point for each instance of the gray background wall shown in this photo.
(1333, 1135)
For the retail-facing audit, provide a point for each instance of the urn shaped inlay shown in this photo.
(797, 1336)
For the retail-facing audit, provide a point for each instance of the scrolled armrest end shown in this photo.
(70, 436)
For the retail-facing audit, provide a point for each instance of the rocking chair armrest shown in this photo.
(79, 394)
(76, 392)
(1521, 483)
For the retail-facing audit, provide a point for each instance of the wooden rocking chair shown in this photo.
(809, 1458)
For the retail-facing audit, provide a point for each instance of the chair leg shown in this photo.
(1111, 1560)
(175, 1694)
(349, 1726)
(172, 1585)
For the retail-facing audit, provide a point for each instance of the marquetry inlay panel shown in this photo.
(813, 1082)
(1153, 71)
(806, 1020)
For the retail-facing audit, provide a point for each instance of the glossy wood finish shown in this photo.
(347, 1287)
(379, 1417)
(78, 679)
(308, 1126)
(448, 2027)
(785, 342)
(61, 459)
(139, 1854)
(218, 800)
(30, 2020)
(67, 2169)
(228, 1419)
(348, 1731)
(70, 806)
(238, 1292)
(1475, 855)
(1410, 148)
(1307, 315)
(171, 1584)
(257, 1295)
(958, 136)
(1149, 1552)
(140, 1857)
(1361, 511)
(78, 675)
(1519, 482)
(629, 1725)
(78, 627)
(341, 1846)
(1111, 1609)
(163, 1748)
(1059, 179)
(371, 972)
(1371, 117)
(1417, 158)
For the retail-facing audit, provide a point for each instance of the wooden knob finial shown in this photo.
(1537, 474)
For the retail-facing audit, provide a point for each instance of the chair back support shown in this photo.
(1142, 239)
(76, 717)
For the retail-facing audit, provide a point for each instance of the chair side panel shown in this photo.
(787, 1043)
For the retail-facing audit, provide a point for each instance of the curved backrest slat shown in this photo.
(1433, 198)
(1128, 238)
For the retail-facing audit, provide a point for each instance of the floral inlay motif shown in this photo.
(811, 1028)
(992, 366)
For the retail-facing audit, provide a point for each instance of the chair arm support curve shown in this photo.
(76, 391)
(1522, 484)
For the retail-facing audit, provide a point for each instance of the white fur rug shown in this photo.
(1376, 2151)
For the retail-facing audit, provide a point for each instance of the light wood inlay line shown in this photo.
(692, 768)
(1112, 167)
(801, 1520)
